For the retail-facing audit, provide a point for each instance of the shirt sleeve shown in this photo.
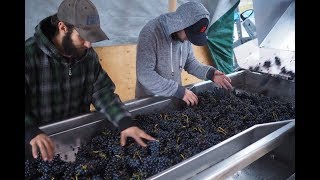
(108, 102)
(194, 67)
(31, 129)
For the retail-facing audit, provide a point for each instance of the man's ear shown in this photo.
(62, 27)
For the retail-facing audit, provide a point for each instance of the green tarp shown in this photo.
(220, 41)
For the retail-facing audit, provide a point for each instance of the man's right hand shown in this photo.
(46, 146)
(190, 98)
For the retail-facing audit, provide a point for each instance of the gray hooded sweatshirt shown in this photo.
(160, 59)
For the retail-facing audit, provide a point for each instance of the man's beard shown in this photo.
(69, 48)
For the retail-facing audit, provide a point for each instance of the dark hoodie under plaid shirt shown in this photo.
(56, 89)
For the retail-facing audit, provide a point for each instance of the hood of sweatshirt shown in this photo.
(186, 15)
(46, 45)
(43, 42)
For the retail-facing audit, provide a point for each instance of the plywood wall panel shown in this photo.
(120, 64)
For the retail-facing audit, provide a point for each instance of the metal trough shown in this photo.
(242, 152)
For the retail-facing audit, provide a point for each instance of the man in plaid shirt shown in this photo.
(63, 76)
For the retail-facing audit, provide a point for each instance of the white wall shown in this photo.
(121, 20)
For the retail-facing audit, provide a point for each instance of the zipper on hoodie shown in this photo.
(70, 72)
(70, 67)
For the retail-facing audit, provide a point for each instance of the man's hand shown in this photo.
(136, 133)
(190, 98)
(222, 80)
(46, 146)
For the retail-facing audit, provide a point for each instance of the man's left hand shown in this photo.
(136, 133)
(222, 80)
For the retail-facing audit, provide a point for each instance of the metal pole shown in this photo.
(239, 30)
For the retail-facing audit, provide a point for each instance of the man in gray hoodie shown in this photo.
(164, 49)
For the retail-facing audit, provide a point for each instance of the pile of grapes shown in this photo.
(180, 134)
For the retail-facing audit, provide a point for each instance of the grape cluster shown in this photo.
(180, 134)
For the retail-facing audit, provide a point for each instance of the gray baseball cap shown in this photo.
(84, 16)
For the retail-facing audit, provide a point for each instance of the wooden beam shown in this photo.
(172, 5)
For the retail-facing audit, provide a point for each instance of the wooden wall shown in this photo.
(120, 64)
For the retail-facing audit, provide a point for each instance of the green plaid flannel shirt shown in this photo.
(56, 89)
